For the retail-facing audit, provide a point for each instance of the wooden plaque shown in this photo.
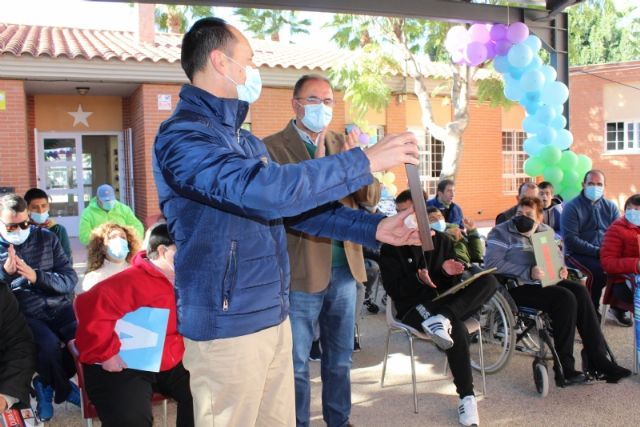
(419, 207)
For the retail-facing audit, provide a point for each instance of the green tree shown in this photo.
(384, 47)
(262, 23)
(175, 18)
(599, 32)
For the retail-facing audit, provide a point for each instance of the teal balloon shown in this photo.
(570, 178)
(550, 74)
(564, 139)
(532, 81)
(550, 154)
(559, 121)
(547, 134)
(520, 55)
(501, 64)
(530, 124)
(568, 161)
(533, 42)
(532, 146)
(555, 93)
(545, 114)
(553, 174)
(533, 166)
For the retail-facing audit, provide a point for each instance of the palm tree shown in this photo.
(175, 19)
(262, 23)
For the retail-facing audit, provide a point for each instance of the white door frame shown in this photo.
(71, 223)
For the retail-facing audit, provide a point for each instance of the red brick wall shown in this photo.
(15, 151)
(31, 124)
(587, 123)
(145, 118)
(396, 123)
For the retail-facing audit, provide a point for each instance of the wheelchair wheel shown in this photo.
(541, 377)
(498, 335)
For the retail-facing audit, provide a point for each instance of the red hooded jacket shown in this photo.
(141, 285)
(619, 253)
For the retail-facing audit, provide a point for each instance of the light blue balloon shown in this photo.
(520, 55)
(531, 101)
(546, 134)
(559, 109)
(535, 63)
(549, 72)
(501, 64)
(532, 146)
(564, 139)
(530, 107)
(532, 80)
(515, 72)
(545, 114)
(533, 42)
(555, 93)
(512, 90)
(530, 124)
(559, 121)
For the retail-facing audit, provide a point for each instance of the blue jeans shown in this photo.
(334, 310)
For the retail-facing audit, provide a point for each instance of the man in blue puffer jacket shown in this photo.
(42, 278)
(224, 200)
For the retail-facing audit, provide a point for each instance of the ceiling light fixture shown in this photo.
(82, 90)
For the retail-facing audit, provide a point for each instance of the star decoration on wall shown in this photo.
(80, 116)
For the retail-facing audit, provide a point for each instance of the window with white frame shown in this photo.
(513, 157)
(622, 137)
(431, 151)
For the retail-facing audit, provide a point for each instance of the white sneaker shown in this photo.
(468, 411)
(438, 328)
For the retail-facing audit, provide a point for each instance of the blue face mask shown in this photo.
(250, 90)
(17, 237)
(108, 205)
(317, 117)
(633, 216)
(118, 248)
(39, 218)
(593, 192)
(439, 225)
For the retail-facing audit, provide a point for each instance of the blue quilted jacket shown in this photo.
(224, 200)
(56, 278)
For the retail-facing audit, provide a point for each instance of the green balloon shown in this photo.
(570, 178)
(568, 161)
(533, 166)
(569, 193)
(550, 155)
(584, 164)
(554, 175)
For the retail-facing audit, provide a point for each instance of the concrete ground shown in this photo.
(511, 398)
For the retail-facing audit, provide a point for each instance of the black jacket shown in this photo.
(17, 348)
(56, 278)
(399, 267)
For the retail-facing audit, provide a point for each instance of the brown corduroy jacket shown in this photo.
(309, 256)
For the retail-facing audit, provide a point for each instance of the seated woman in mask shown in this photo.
(568, 303)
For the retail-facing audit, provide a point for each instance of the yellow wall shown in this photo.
(621, 103)
(373, 117)
(52, 113)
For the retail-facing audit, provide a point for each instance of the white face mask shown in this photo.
(250, 90)
(17, 237)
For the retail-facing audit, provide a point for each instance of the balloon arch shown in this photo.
(533, 85)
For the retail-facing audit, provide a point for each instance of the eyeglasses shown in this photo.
(14, 226)
(329, 102)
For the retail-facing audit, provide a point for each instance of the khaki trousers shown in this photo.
(243, 381)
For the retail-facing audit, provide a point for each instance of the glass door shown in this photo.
(61, 176)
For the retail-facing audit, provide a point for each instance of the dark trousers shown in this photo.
(123, 399)
(457, 308)
(51, 332)
(596, 278)
(569, 306)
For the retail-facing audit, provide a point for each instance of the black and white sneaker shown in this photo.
(438, 328)
(619, 316)
(468, 411)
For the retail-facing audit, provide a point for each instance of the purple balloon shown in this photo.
(503, 46)
(479, 33)
(498, 32)
(475, 53)
(363, 139)
(491, 50)
(518, 32)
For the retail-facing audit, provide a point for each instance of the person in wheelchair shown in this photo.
(413, 278)
(568, 303)
(620, 252)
